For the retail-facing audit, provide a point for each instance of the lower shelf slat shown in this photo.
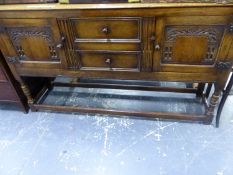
(164, 115)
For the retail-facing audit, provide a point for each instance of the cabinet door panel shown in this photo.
(31, 42)
(189, 42)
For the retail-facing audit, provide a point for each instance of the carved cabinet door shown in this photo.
(31, 43)
(191, 43)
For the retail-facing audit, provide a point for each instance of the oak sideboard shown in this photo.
(181, 42)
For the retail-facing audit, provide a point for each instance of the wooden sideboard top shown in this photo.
(57, 6)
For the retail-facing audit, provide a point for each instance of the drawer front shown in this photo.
(106, 28)
(2, 76)
(110, 61)
(7, 93)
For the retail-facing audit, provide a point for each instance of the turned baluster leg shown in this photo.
(223, 100)
(213, 104)
(27, 92)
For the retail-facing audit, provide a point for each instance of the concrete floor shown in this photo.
(64, 144)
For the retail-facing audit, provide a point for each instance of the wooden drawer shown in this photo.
(2, 76)
(7, 93)
(110, 61)
(106, 28)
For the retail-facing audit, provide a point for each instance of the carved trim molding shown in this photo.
(72, 59)
(223, 65)
(17, 33)
(212, 33)
(148, 31)
(209, 32)
(12, 59)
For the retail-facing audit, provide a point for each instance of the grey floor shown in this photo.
(70, 144)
